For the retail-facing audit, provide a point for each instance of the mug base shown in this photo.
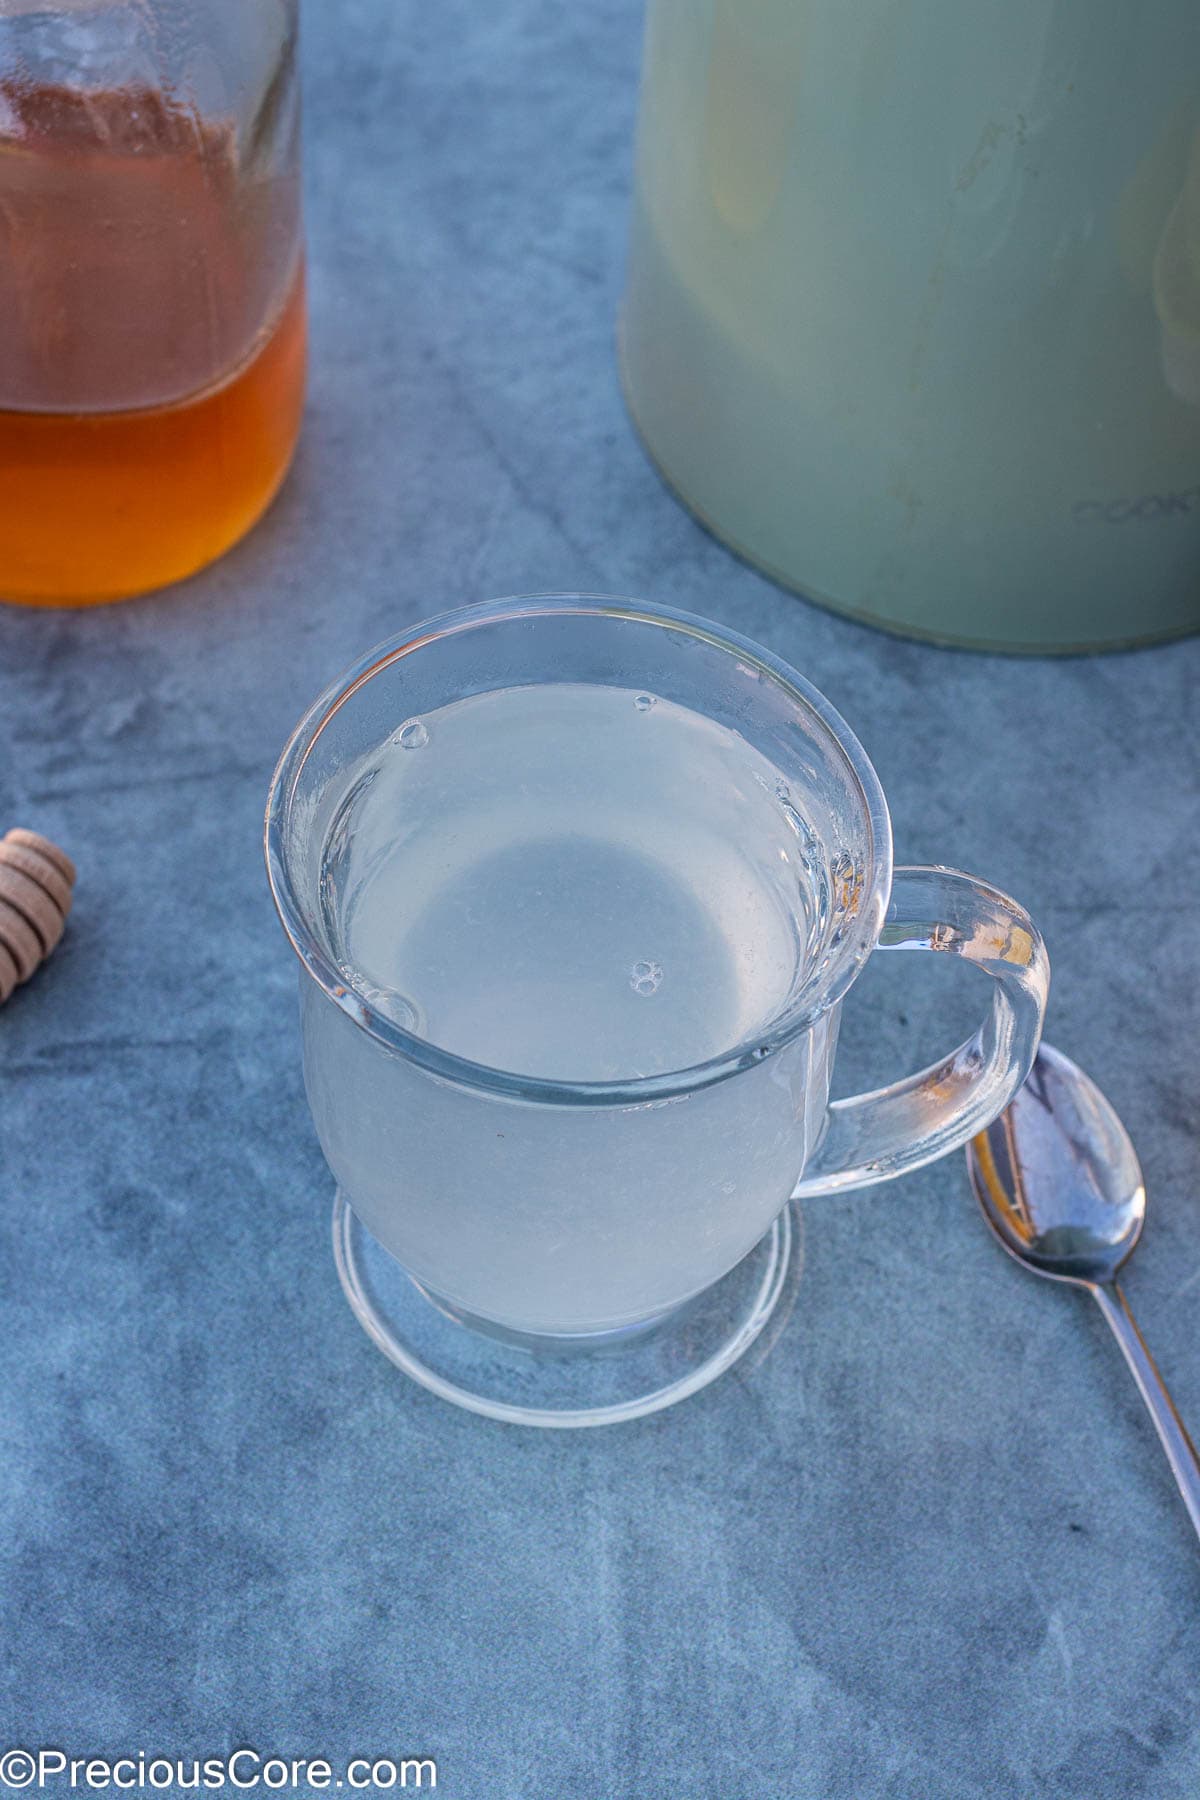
(598, 1379)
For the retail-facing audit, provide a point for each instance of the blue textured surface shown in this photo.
(929, 1546)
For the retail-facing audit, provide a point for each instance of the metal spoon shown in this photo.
(1060, 1185)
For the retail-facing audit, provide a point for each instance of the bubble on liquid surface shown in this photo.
(395, 1007)
(412, 735)
(643, 702)
(782, 791)
(645, 978)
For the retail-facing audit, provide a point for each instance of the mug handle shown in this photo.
(874, 1137)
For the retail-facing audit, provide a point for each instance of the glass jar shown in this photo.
(152, 309)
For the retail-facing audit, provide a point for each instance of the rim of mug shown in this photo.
(817, 992)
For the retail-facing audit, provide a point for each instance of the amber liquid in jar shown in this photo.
(152, 344)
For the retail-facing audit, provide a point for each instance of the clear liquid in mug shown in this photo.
(572, 881)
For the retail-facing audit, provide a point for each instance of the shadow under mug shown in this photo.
(564, 1252)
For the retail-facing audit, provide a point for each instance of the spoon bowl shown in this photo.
(1057, 1176)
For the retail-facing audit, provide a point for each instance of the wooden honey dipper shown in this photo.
(36, 879)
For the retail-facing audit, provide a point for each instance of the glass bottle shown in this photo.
(152, 309)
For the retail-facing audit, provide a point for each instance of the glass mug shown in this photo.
(152, 312)
(577, 888)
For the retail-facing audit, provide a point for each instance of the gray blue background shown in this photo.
(928, 1547)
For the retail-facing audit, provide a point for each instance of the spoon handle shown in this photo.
(1181, 1452)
